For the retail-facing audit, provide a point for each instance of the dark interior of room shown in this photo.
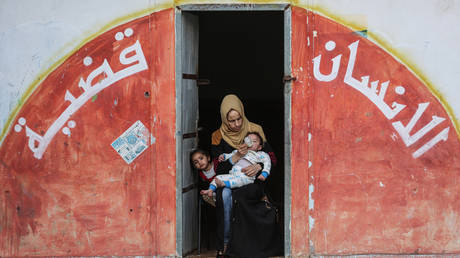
(242, 53)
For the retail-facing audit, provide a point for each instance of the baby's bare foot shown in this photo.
(203, 192)
(206, 192)
(208, 197)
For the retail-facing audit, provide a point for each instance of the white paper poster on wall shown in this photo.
(132, 142)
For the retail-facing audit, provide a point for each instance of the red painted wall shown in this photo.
(300, 114)
(382, 177)
(79, 197)
(365, 179)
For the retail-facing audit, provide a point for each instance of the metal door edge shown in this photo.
(178, 134)
(287, 132)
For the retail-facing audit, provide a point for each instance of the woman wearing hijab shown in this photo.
(246, 222)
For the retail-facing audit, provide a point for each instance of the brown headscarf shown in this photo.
(232, 102)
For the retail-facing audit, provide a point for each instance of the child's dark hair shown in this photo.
(258, 136)
(195, 151)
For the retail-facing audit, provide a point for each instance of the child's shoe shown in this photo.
(210, 200)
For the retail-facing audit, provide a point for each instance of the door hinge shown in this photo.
(288, 78)
(199, 82)
(189, 135)
(189, 187)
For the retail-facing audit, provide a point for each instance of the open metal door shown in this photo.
(288, 79)
(187, 121)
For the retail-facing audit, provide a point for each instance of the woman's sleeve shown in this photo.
(216, 150)
(203, 184)
(221, 167)
(268, 149)
(218, 146)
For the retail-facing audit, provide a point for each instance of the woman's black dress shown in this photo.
(255, 231)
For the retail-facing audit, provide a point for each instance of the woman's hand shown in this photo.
(252, 170)
(242, 149)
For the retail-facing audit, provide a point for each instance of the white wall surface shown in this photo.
(34, 35)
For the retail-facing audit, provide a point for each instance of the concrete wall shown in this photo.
(363, 181)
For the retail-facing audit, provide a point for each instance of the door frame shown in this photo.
(286, 9)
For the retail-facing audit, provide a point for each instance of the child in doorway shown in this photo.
(236, 178)
(201, 160)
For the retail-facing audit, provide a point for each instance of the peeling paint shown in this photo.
(311, 223)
